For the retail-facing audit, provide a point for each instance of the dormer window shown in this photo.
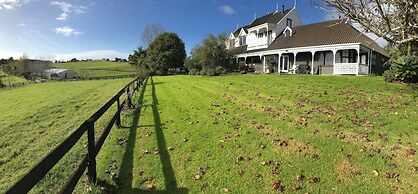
(289, 22)
(288, 32)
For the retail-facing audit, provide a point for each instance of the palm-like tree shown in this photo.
(138, 57)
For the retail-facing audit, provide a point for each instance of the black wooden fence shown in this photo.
(31, 178)
(18, 84)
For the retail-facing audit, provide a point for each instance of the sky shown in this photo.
(96, 29)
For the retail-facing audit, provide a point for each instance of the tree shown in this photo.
(394, 20)
(150, 33)
(211, 54)
(166, 52)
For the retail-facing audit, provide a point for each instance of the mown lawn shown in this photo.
(99, 68)
(36, 118)
(266, 134)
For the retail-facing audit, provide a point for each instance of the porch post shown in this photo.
(264, 64)
(358, 59)
(313, 59)
(294, 62)
(334, 51)
(279, 61)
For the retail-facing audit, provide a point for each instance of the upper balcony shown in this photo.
(261, 36)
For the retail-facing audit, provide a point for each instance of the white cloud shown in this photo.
(67, 31)
(11, 4)
(94, 54)
(68, 8)
(63, 17)
(226, 9)
(21, 25)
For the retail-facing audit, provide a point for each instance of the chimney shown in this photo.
(277, 7)
(282, 9)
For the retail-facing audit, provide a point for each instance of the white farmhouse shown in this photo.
(278, 42)
(60, 74)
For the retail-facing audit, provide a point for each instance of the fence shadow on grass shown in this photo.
(126, 169)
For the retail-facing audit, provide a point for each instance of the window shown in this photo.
(348, 56)
(242, 40)
(260, 35)
(289, 22)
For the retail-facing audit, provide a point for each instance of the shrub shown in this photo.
(203, 72)
(210, 72)
(220, 70)
(389, 76)
(1, 84)
(193, 72)
(405, 68)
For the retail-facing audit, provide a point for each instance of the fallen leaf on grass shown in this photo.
(150, 186)
(295, 188)
(225, 190)
(197, 177)
(313, 180)
(375, 173)
(410, 152)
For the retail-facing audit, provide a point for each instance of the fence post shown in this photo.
(118, 121)
(91, 155)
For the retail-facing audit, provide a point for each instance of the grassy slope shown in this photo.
(13, 79)
(99, 68)
(352, 133)
(36, 118)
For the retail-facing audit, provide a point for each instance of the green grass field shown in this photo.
(12, 79)
(99, 68)
(36, 118)
(264, 134)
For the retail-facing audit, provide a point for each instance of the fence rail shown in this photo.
(75, 79)
(31, 178)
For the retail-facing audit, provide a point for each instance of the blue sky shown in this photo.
(61, 29)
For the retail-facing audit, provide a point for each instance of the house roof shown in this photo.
(272, 18)
(238, 50)
(51, 71)
(324, 33)
(236, 33)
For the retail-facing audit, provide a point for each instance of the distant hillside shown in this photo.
(98, 68)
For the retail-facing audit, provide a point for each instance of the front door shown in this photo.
(284, 67)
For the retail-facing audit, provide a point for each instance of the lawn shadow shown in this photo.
(126, 169)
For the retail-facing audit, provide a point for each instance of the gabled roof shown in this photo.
(245, 28)
(272, 18)
(324, 33)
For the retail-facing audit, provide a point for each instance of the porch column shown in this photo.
(264, 64)
(312, 65)
(369, 59)
(358, 59)
(294, 62)
(279, 60)
(334, 51)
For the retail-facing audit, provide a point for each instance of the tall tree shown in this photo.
(150, 33)
(166, 52)
(210, 54)
(394, 20)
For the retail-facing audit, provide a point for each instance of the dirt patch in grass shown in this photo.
(346, 171)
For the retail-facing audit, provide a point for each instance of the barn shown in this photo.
(60, 74)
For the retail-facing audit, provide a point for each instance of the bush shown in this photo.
(389, 76)
(193, 72)
(1, 84)
(210, 72)
(405, 69)
(220, 70)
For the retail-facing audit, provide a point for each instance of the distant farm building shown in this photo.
(60, 74)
